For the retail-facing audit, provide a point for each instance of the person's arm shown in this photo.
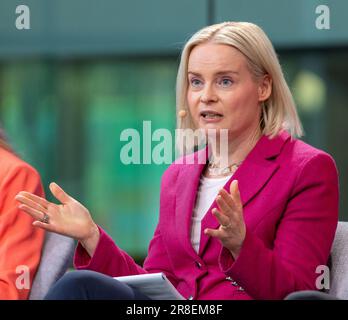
(20, 243)
(109, 259)
(303, 238)
(96, 250)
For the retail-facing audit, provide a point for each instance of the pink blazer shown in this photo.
(290, 196)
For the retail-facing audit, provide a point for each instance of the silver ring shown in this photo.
(226, 227)
(45, 218)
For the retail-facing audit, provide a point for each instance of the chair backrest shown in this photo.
(339, 262)
(56, 258)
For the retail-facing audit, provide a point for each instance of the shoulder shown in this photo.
(302, 152)
(11, 166)
(308, 159)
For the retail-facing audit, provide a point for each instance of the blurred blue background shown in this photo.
(88, 69)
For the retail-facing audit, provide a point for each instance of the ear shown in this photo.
(265, 87)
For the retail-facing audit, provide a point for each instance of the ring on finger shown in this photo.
(223, 226)
(45, 218)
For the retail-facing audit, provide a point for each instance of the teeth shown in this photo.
(211, 115)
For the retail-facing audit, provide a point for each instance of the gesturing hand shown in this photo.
(232, 229)
(70, 218)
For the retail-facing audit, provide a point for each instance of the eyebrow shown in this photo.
(217, 73)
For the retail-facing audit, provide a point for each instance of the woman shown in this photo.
(251, 223)
(20, 243)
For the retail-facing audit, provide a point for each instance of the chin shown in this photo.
(224, 133)
(214, 126)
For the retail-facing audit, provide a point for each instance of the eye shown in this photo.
(195, 82)
(225, 82)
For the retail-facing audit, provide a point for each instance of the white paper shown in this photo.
(154, 285)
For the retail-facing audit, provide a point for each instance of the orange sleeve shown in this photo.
(20, 242)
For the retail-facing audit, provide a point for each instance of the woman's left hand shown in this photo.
(232, 229)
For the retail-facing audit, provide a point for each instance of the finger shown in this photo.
(223, 219)
(235, 194)
(223, 206)
(232, 186)
(212, 232)
(234, 190)
(30, 203)
(59, 193)
(227, 198)
(42, 225)
(41, 201)
(36, 214)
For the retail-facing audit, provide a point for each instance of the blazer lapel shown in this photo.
(186, 191)
(255, 171)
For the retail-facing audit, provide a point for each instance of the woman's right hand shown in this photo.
(70, 218)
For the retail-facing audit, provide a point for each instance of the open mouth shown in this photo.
(210, 115)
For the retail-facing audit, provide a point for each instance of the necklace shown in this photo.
(215, 170)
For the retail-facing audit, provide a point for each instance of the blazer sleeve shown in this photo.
(20, 242)
(303, 240)
(109, 259)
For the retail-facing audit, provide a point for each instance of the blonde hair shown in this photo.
(279, 110)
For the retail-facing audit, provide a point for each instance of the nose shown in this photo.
(208, 95)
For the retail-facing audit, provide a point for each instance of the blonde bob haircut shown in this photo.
(279, 110)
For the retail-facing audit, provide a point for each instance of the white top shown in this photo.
(207, 192)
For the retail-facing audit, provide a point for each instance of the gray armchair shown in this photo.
(338, 271)
(56, 258)
(339, 263)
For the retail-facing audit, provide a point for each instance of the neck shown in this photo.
(234, 147)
